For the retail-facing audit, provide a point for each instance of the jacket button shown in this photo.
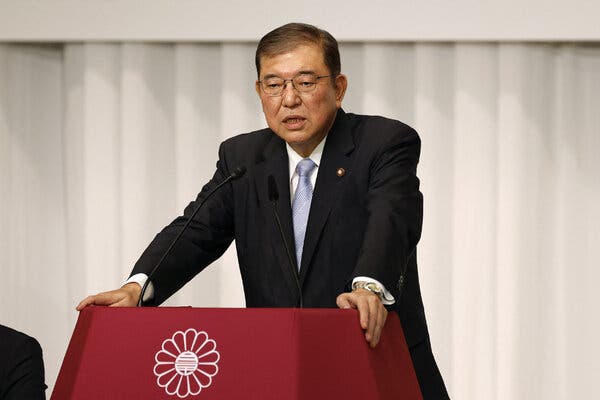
(340, 172)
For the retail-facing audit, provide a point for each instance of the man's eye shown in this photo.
(273, 85)
(307, 80)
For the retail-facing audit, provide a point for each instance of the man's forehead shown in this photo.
(304, 58)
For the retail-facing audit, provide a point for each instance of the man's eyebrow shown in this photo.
(303, 72)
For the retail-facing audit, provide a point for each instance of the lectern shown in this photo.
(228, 354)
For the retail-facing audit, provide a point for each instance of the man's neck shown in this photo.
(294, 157)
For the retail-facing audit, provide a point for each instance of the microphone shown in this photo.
(273, 197)
(237, 173)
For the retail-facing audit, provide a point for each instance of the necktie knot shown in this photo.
(305, 167)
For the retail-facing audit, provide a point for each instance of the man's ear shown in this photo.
(259, 93)
(340, 83)
(257, 87)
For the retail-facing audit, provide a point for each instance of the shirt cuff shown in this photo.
(141, 279)
(387, 299)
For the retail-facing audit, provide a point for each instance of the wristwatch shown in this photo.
(370, 286)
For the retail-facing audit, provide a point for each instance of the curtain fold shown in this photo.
(103, 144)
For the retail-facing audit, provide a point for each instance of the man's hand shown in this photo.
(371, 312)
(126, 296)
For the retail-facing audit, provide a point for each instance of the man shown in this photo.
(21, 366)
(351, 240)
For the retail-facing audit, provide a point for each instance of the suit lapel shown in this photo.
(336, 155)
(275, 162)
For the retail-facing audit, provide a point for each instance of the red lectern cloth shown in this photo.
(262, 354)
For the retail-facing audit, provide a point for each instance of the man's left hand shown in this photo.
(371, 312)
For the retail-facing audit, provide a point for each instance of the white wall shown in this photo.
(348, 20)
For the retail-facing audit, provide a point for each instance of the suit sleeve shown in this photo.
(25, 381)
(395, 211)
(207, 237)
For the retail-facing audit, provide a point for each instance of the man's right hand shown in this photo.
(125, 296)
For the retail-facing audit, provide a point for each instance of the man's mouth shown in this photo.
(294, 121)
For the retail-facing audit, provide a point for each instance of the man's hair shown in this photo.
(287, 37)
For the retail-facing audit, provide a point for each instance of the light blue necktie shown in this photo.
(301, 204)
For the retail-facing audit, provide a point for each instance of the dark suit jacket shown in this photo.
(364, 223)
(21, 367)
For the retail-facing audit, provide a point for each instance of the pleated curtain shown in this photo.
(102, 144)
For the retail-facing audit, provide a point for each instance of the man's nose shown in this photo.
(290, 96)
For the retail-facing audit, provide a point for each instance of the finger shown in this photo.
(377, 314)
(363, 312)
(381, 317)
(84, 303)
(343, 301)
(122, 303)
(372, 322)
(107, 298)
(126, 301)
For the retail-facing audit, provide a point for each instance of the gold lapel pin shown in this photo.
(340, 172)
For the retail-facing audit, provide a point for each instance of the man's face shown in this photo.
(301, 119)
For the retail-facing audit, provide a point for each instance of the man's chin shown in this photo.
(293, 137)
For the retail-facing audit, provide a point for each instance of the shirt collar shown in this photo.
(294, 158)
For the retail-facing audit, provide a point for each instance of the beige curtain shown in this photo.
(102, 144)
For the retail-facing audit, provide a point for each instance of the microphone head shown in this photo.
(273, 192)
(238, 172)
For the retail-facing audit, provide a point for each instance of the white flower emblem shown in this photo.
(186, 363)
